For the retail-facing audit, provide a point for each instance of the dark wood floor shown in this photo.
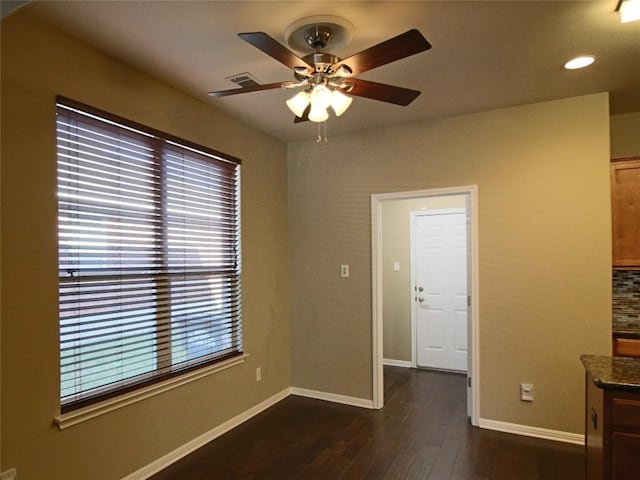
(422, 433)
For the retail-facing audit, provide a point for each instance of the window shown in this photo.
(149, 255)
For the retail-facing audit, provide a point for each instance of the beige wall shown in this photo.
(37, 64)
(542, 172)
(625, 135)
(396, 243)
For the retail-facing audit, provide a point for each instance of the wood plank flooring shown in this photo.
(422, 433)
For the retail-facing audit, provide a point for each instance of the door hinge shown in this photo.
(468, 300)
(469, 382)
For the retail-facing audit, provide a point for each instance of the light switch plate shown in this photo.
(344, 271)
(396, 266)
(526, 392)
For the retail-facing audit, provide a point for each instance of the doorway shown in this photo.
(378, 203)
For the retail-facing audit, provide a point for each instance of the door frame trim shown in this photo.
(376, 288)
(412, 253)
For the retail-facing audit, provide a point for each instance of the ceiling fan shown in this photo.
(327, 80)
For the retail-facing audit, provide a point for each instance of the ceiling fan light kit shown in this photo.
(340, 102)
(327, 80)
(318, 114)
(318, 100)
(298, 103)
(629, 10)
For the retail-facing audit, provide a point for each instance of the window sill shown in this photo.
(70, 419)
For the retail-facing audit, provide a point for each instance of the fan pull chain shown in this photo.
(322, 138)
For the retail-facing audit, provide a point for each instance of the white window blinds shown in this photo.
(149, 255)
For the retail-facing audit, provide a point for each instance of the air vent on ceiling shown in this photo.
(243, 79)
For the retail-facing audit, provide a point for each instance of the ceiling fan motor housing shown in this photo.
(321, 61)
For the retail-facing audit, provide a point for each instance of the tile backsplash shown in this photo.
(626, 297)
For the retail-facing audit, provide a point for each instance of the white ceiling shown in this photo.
(485, 55)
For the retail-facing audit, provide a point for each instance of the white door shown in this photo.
(440, 289)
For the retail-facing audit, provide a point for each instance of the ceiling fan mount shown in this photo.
(324, 75)
(318, 32)
(318, 36)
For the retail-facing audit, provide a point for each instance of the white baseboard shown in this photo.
(192, 445)
(528, 431)
(333, 397)
(396, 363)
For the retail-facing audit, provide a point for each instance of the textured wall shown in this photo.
(625, 135)
(542, 172)
(396, 245)
(37, 64)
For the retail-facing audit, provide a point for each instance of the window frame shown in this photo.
(161, 143)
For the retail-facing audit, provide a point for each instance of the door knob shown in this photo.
(420, 299)
(420, 289)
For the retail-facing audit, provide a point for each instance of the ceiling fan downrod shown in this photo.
(318, 37)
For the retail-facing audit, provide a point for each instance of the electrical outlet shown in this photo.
(258, 374)
(526, 392)
(344, 271)
(11, 474)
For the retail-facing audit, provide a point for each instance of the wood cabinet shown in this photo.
(625, 212)
(593, 432)
(626, 456)
(626, 347)
(612, 440)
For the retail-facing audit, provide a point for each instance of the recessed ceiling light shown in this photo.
(579, 62)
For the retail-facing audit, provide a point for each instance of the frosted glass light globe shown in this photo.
(298, 103)
(318, 114)
(320, 96)
(340, 102)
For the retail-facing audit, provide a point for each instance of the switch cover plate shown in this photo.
(344, 271)
(526, 392)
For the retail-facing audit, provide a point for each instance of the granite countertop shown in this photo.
(613, 373)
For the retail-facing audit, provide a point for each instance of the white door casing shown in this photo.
(473, 290)
(439, 279)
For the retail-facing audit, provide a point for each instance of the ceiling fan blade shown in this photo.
(304, 117)
(404, 45)
(383, 92)
(274, 49)
(256, 88)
